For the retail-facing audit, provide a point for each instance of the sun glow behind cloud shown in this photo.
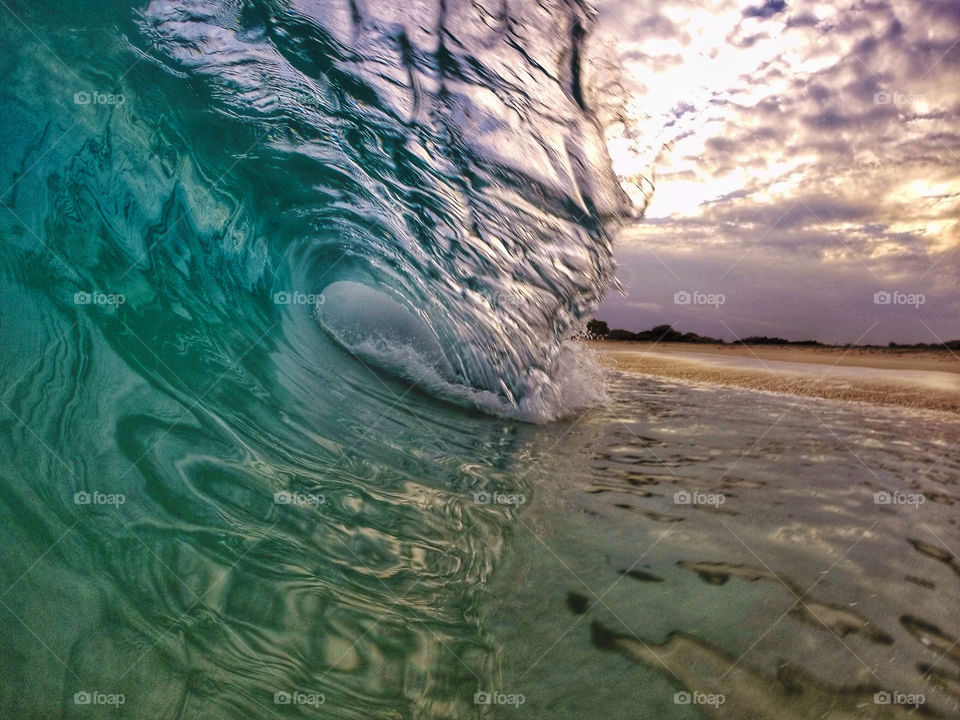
(806, 130)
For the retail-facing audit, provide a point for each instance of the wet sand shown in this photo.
(922, 379)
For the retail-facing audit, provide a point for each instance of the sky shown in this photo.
(805, 160)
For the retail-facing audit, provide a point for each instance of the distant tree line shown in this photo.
(599, 330)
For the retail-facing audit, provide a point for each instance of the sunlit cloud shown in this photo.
(790, 130)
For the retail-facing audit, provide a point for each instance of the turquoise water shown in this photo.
(289, 426)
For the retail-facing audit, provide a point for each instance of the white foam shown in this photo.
(576, 385)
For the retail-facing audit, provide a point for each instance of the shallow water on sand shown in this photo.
(930, 379)
(803, 592)
(387, 588)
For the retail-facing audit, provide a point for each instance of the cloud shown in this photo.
(802, 20)
(826, 143)
(660, 26)
(767, 10)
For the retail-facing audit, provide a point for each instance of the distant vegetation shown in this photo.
(599, 330)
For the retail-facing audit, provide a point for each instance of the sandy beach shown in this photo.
(923, 379)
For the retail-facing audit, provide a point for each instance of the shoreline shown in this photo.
(911, 378)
